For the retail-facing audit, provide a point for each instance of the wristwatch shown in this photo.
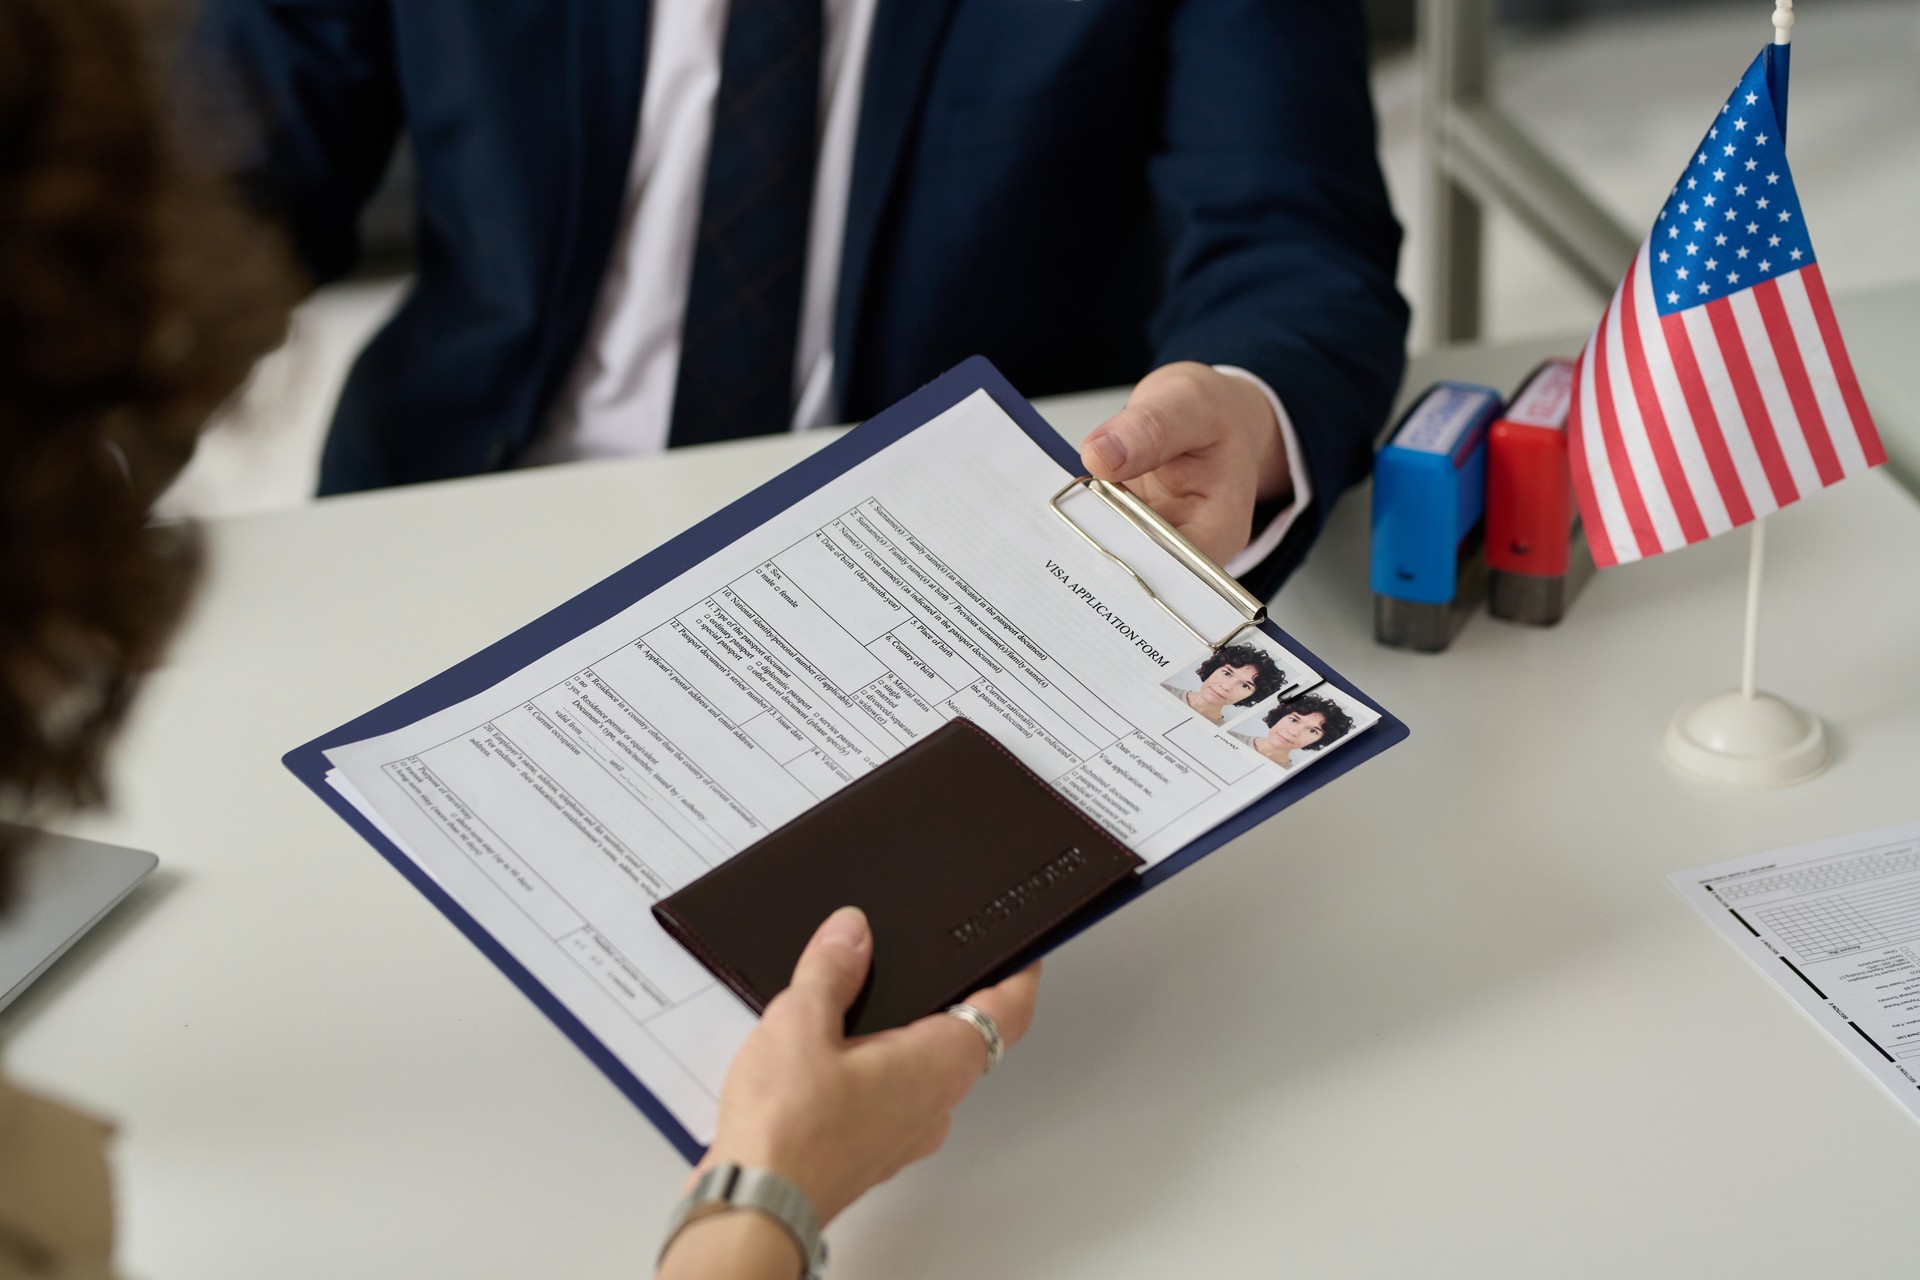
(729, 1186)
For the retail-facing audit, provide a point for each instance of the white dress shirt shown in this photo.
(618, 398)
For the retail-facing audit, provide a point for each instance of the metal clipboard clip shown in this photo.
(1148, 521)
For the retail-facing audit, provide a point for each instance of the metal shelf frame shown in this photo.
(1475, 157)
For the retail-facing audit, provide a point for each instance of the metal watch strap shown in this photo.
(730, 1186)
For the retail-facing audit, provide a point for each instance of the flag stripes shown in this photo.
(1732, 472)
(1786, 352)
(1693, 423)
(1694, 443)
(1833, 354)
(1636, 299)
(1716, 388)
(1759, 475)
(1736, 358)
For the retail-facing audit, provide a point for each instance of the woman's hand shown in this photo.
(837, 1116)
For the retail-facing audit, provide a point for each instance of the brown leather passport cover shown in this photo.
(961, 857)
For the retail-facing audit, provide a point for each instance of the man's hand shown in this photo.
(1202, 447)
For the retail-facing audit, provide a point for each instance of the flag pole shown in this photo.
(1750, 651)
(1749, 738)
(1750, 655)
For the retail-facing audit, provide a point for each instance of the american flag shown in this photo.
(1716, 388)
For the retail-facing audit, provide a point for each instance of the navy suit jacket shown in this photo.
(1081, 190)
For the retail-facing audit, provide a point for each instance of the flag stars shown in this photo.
(1692, 250)
(1664, 255)
(1773, 242)
(1765, 265)
(1740, 189)
(1752, 227)
(1672, 297)
(1740, 253)
(1773, 179)
(1721, 238)
(1703, 286)
(1733, 277)
(1794, 254)
(1719, 174)
(1762, 203)
(1739, 125)
(1673, 233)
(1751, 99)
(1699, 224)
(1683, 273)
(1684, 206)
(1752, 164)
(1786, 215)
(1760, 139)
(1703, 157)
(1692, 183)
(1729, 215)
(1706, 200)
(1714, 132)
(1728, 148)
(1712, 265)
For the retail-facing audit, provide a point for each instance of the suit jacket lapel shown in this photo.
(906, 35)
(608, 53)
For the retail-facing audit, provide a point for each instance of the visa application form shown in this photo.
(558, 805)
(1836, 924)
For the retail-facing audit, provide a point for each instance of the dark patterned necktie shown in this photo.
(749, 261)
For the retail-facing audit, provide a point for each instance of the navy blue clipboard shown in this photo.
(609, 596)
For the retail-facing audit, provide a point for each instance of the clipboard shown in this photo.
(619, 590)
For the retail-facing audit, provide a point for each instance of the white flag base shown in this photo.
(1758, 741)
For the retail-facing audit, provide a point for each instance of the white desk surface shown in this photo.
(1442, 1019)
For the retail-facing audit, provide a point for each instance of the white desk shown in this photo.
(1525, 1058)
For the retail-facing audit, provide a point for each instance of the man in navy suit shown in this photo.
(1182, 193)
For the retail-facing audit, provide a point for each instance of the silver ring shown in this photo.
(982, 1021)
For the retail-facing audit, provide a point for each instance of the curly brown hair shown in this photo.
(135, 299)
(1268, 678)
(1335, 723)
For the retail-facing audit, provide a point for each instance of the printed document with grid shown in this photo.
(1836, 924)
(931, 580)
